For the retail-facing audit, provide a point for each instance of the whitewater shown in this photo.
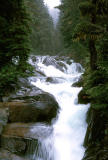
(69, 128)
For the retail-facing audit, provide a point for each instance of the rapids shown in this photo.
(66, 140)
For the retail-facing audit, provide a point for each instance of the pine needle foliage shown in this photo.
(69, 18)
(14, 43)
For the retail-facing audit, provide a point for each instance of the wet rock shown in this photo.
(76, 68)
(96, 152)
(68, 60)
(13, 144)
(27, 130)
(49, 61)
(57, 64)
(23, 88)
(79, 83)
(23, 139)
(55, 80)
(6, 155)
(33, 61)
(19, 145)
(30, 104)
(79, 68)
(38, 108)
(3, 117)
(39, 73)
(33, 58)
(96, 139)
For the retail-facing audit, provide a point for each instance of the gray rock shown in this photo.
(24, 88)
(27, 131)
(55, 80)
(6, 155)
(48, 60)
(30, 104)
(38, 108)
(4, 113)
(23, 139)
(12, 144)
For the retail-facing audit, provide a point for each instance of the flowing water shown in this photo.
(66, 140)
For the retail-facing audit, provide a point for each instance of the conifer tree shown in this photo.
(14, 42)
(92, 27)
(69, 18)
(43, 35)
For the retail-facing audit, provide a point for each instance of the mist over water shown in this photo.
(54, 12)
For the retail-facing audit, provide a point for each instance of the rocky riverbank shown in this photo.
(20, 117)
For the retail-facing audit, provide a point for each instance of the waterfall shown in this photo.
(66, 140)
(54, 12)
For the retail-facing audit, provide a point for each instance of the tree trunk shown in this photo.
(93, 55)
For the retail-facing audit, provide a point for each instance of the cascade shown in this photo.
(66, 139)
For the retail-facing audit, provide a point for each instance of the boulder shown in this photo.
(39, 108)
(55, 80)
(23, 139)
(68, 60)
(14, 144)
(48, 60)
(6, 155)
(23, 88)
(27, 130)
(28, 104)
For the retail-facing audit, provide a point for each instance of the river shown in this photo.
(66, 140)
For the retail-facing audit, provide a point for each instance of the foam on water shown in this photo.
(66, 141)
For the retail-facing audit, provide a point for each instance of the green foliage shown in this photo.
(86, 8)
(45, 37)
(86, 30)
(69, 17)
(96, 87)
(92, 30)
(14, 43)
(99, 106)
(95, 78)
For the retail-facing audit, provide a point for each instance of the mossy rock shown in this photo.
(79, 83)
(96, 139)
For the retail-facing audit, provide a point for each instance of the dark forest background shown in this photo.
(81, 33)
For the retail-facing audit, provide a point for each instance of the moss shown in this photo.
(99, 106)
(83, 98)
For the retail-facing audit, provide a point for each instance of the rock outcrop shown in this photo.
(30, 104)
(19, 113)
(96, 139)
(6, 155)
(40, 108)
(3, 118)
(57, 64)
(22, 139)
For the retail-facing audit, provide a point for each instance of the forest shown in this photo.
(81, 33)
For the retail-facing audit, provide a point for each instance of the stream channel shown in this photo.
(66, 140)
